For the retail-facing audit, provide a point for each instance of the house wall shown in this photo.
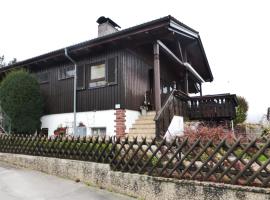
(168, 74)
(95, 106)
(136, 79)
(131, 117)
(129, 91)
(90, 119)
(58, 94)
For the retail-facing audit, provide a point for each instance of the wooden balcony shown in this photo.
(212, 107)
(204, 108)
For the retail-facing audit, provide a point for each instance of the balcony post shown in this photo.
(157, 77)
(186, 82)
(200, 89)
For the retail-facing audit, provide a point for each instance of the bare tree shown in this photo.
(2, 61)
(13, 61)
(4, 64)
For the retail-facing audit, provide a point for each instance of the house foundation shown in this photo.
(113, 122)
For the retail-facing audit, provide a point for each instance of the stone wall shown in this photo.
(141, 186)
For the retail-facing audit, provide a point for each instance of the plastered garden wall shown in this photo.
(141, 186)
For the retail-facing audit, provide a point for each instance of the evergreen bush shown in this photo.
(21, 99)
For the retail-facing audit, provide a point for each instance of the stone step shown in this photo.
(151, 113)
(141, 122)
(146, 117)
(143, 126)
(142, 131)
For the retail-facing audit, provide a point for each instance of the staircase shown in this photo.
(144, 126)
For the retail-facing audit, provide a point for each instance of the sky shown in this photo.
(235, 35)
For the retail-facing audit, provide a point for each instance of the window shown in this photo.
(97, 75)
(101, 132)
(103, 73)
(66, 72)
(112, 71)
(81, 77)
(43, 77)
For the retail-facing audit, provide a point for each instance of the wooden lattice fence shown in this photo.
(226, 162)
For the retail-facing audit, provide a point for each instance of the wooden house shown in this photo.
(152, 67)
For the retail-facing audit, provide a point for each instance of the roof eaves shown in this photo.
(86, 43)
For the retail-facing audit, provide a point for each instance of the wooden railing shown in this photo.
(175, 104)
(210, 108)
(224, 161)
(213, 107)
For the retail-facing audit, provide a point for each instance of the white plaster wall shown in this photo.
(105, 118)
(91, 119)
(131, 117)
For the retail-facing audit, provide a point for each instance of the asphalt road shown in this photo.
(24, 184)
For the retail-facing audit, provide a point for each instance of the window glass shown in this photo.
(66, 72)
(42, 77)
(112, 70)
(97, 71)
(99, 131)
(97, 75)
(80, 77)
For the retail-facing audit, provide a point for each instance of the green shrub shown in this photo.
(241, 110)
(21, 99)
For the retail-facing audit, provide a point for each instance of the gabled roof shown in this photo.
(168, 23)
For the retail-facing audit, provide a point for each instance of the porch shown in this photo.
(178, 101)
(215, 108)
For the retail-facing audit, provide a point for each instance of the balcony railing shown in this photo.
(212, 107)
(205, 108)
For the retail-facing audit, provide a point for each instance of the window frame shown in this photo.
(84, 66)
(63, 68)
(43, 72)
(89, 80)
(115, 71)
(98, 129)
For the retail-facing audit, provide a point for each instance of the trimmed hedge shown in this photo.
(21, 99)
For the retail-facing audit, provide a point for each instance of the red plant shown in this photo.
(205, 133)
(61, 131)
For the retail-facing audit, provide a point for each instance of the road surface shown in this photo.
(23, 184)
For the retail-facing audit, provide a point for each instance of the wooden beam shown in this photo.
(183, 30)
(180, 50)
(181, 33)
(186, 82)
(157, 77)
(187, 65)
(200, 89)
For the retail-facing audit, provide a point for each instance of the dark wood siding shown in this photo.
(136, 79)
(58, 94)
(131, 83)
(104, 97)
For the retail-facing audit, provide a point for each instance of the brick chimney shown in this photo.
(106, 26)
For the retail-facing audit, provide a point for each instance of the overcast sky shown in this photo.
(235, 35)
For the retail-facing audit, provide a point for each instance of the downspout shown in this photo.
(74, 91)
